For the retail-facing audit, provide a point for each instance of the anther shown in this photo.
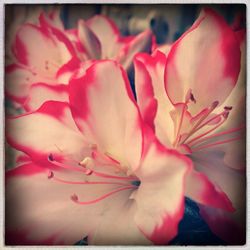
(228, 108)
(86, 161)
(225, 114)
(214, 104)
(192, 98)
(89, 172)
(74, 197)
(188, 96)
(50, 175)
(50, 157)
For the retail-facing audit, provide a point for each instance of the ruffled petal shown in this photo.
(200, 189)
(118, 226)
(18, 81)
(160, 196)
(42, 92)
(52, 52)
(235, 126)
(233, 184)
(145, 93)
(224, 226)
(149, 83)
(140, 43)
(89, 41)
(52, 18)
(102, 101)
(39, 210)
(106, 32)
(202, 63)
(49, 130)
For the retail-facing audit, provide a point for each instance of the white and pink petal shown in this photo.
(40, 210)
(115, 111)
(48, 130)
(190, 63)
(159, 212)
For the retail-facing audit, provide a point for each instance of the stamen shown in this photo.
(210, 120)
(75, 199)
(86, 171)
(214, 105)
(111, 157)
(192, 98)
(50, 157)
(180, 124)
(218, 134)
(51, 175)
(86, 162)
(225, 114)
(228, 108)
(61, 165)
(196, 126)
(205, 133)
(89, 172)
(215, 144)
(189, 96)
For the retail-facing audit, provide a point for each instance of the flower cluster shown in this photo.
(94, 161)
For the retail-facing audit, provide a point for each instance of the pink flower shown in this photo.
(99, 38)
(94, 169)
(192, 100)
(44, 61)
(46, 56)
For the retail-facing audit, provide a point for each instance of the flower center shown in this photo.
(203, 130)
(115, 176)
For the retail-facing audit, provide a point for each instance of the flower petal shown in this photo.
(49, 130)
(224, 226)
(235, 151)
(42, 92)
(149, 83)
(106, 32)
(140, 43)
(18, 81)
(145, 94)
(89, 41)
(233, 183)
(102, 101)
(52, 18)
(39, 210)
(202, 63)
(160, 196)
(200, 189)
(118, 226)
(52, 53)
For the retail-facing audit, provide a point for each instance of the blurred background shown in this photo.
(168, 22)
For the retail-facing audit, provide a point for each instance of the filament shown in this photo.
(74, 197)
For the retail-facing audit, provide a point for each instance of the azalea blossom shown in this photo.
(193, 98)
(93, 168)
(46, 55)
(99, 38)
